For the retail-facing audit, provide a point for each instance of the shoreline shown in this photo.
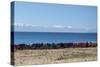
(52, 45)
(50, 32)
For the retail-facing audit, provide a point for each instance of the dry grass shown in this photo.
(27, 57)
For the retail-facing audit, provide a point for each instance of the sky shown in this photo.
(47, 17)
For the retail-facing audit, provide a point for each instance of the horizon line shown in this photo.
(53, 32)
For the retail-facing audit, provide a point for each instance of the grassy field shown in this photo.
(50, 56)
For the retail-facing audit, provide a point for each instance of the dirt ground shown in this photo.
(52, 56)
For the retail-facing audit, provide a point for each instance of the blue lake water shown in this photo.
(52, 37)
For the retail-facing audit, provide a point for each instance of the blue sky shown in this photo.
(46, 17)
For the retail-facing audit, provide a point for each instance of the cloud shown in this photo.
(69, 26)
(61, 26)
(18, 24)
(50, 28)
(43, 26)
(58, 26)
(25, 25)
(35, 25)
